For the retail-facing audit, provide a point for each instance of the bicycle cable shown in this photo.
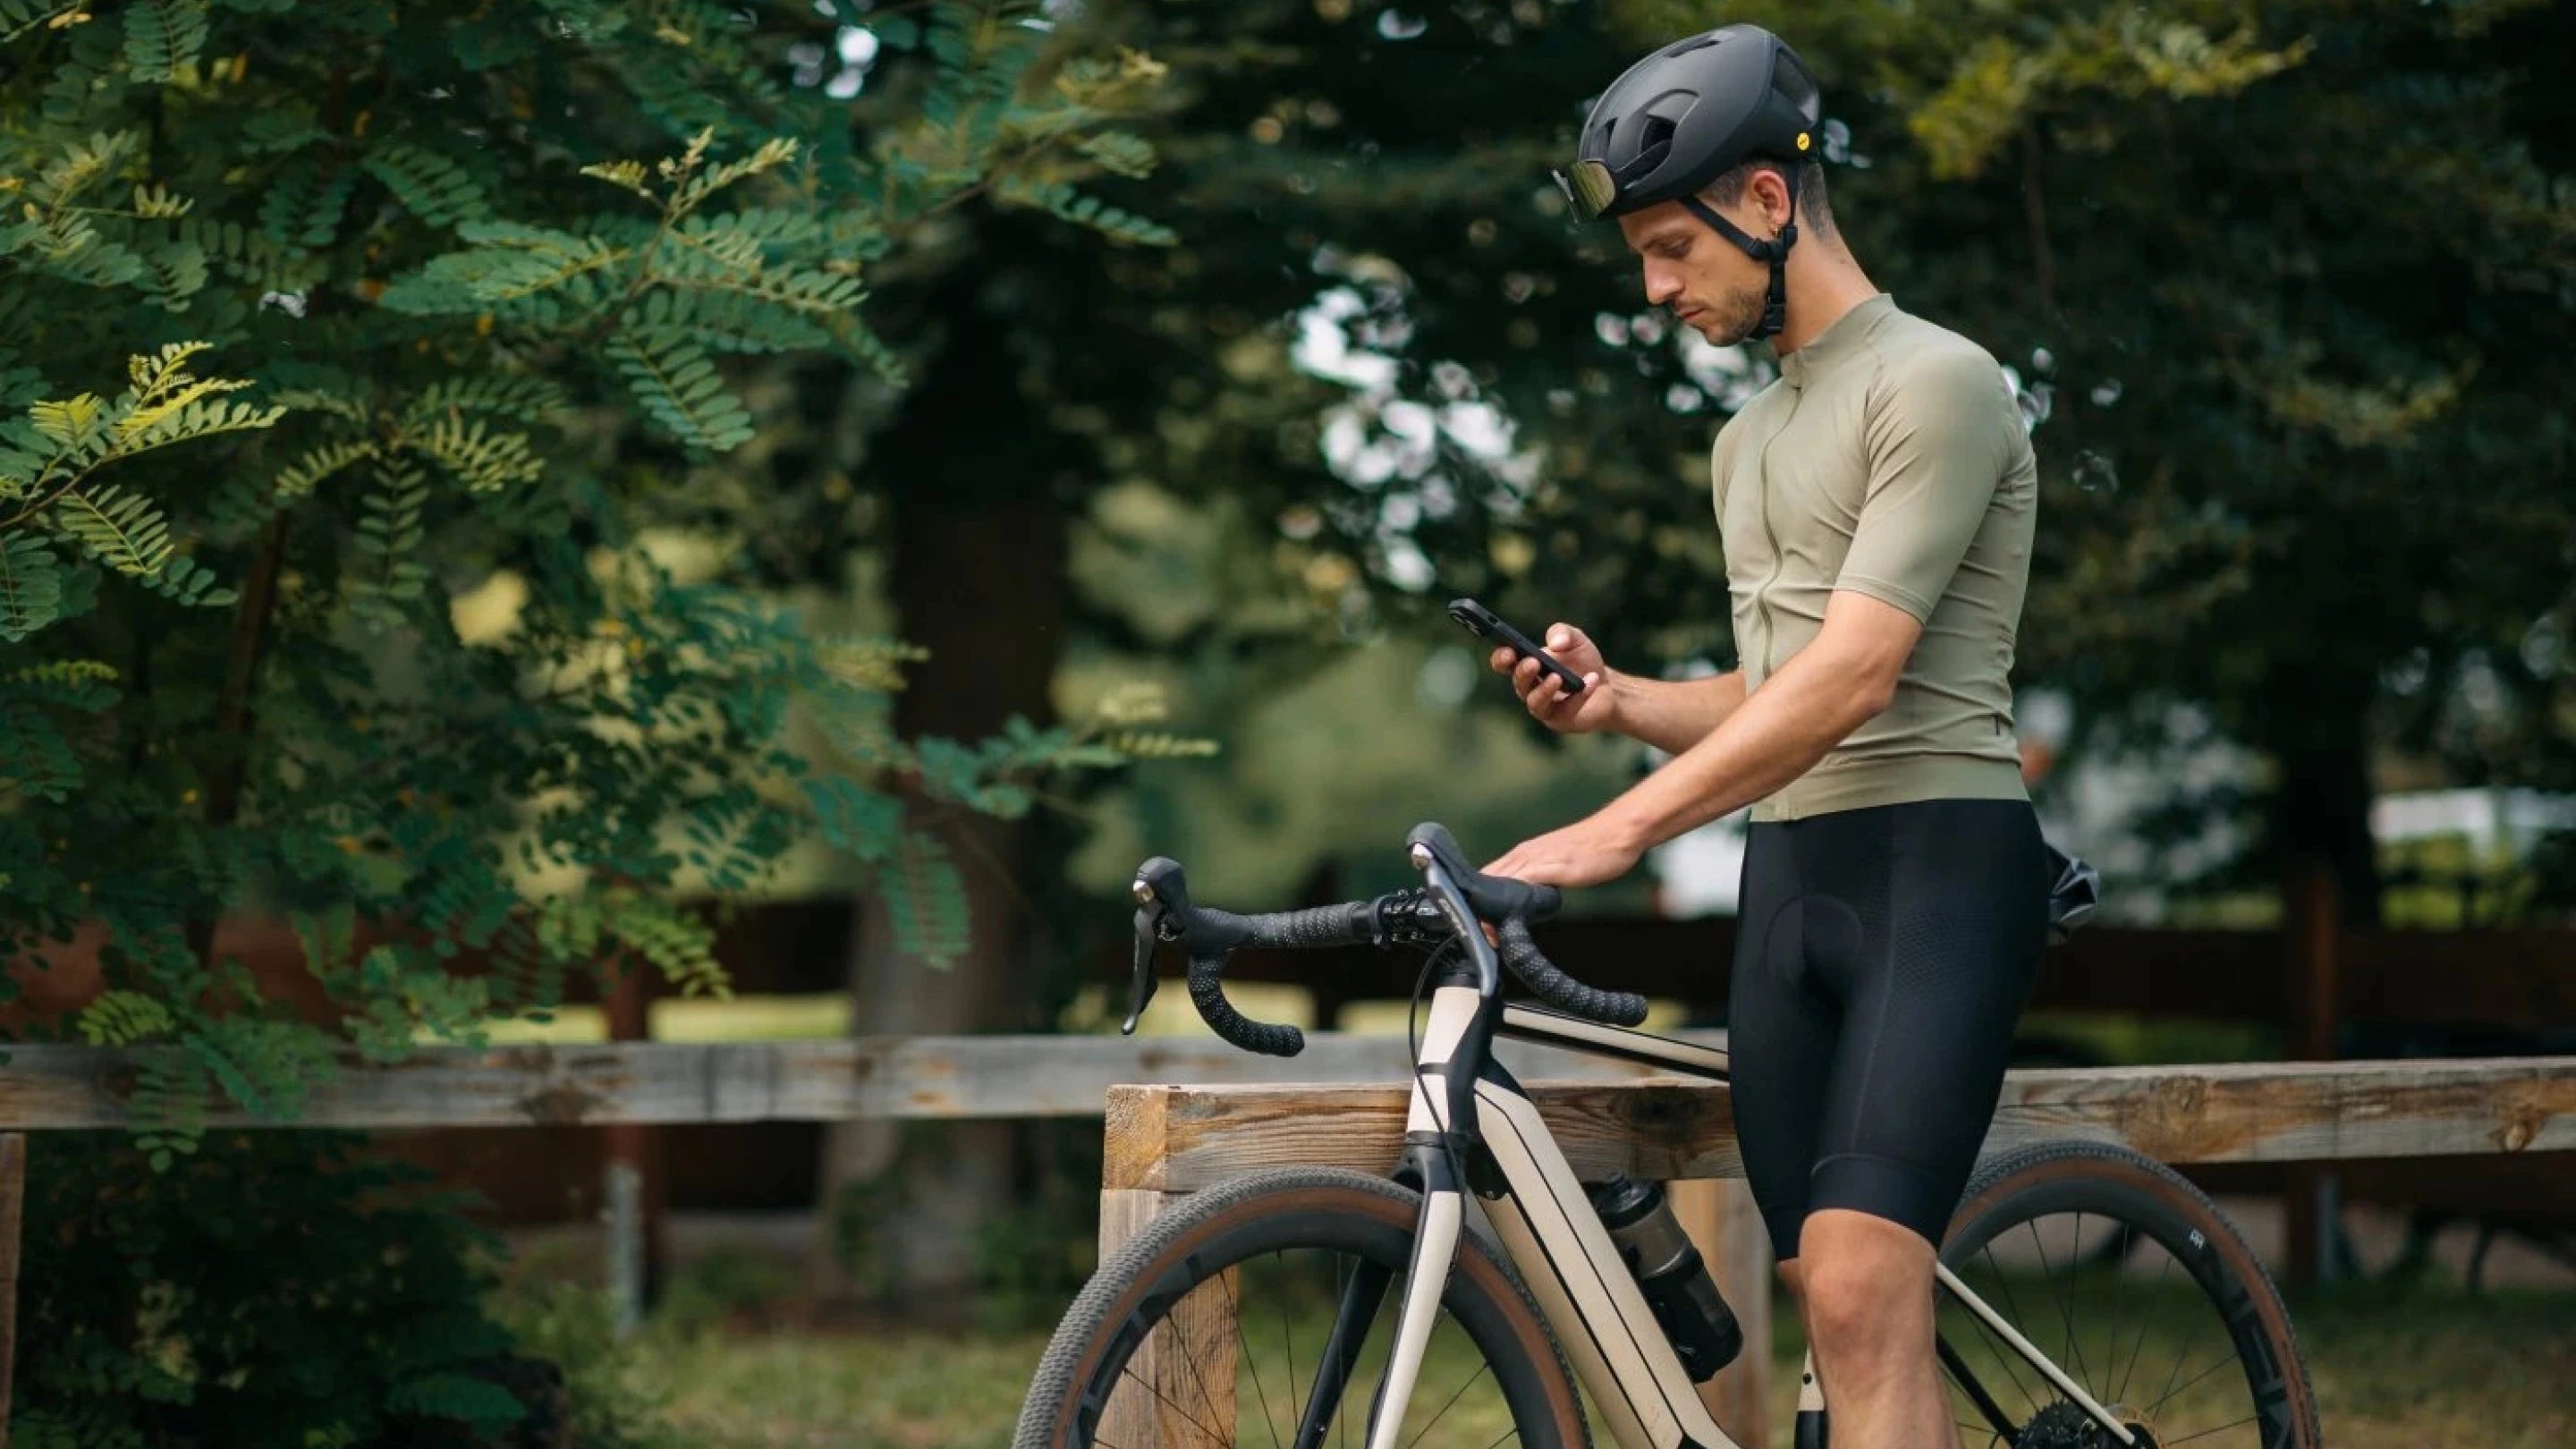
(1413, 1066)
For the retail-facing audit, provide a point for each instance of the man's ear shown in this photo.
(1771, 192)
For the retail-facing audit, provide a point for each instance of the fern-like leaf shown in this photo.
(508, 262)
(31, 585)
(156, 202)
(679, 388)
(925, 900)
(383, 577)
(299, 478)
(36, 758)
(125, 531)
(485, 461)
(855, 819)
(1061, 200)
(122, 1018)
(163, 35)
(435, 189)
(1119, 153)
(190, 584)
(520, 398)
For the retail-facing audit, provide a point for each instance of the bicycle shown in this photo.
(1540, 1294)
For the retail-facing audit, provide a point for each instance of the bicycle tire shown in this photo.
(1135, 1289)
(2143, 1196)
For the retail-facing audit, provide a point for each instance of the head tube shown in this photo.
(1462, 919)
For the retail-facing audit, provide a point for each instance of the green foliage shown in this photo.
(275, 1288)
(436, 329)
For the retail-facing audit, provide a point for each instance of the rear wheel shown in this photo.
(2131, 1281)
(1262, 1312)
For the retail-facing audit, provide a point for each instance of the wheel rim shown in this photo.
(2140, 1309)
(1227, 1346)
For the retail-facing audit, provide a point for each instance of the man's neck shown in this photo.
(1819, 296)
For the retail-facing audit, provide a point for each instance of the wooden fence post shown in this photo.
(1726, 1227)
(632, 1171)
(13, 1197)
(1187, 1364)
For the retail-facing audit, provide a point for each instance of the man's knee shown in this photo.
(1859, 1282)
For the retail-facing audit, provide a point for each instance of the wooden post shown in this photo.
(1726, 1227)
(633, 1185)
(1184, 1372)
(2315, 920)
(13, 1197)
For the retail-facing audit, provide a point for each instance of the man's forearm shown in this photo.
(1673, 715)
(1766, 740)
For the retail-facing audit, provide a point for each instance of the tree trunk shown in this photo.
(979, 579)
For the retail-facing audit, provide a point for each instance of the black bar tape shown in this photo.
(1348, 924)
(1523, 957)
(1207, 989)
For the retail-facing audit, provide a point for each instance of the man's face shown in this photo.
(1709, 283)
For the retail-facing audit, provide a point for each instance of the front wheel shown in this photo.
(1261, 1313)
(2130, 1280)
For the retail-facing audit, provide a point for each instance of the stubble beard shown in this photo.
(1736, 315)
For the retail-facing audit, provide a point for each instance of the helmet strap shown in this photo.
(1775, 312)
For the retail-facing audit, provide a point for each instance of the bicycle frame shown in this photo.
(1465, 1103)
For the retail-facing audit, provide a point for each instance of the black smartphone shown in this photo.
(1484, 623)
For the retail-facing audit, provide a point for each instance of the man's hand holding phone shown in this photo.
(1544, 694)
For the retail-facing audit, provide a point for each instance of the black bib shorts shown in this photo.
(1883, 956)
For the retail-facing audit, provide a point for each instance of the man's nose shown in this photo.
(1661, 287)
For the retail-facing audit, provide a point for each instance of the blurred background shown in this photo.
(1108, 396)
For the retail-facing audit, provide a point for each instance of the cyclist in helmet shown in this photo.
(1876, 505)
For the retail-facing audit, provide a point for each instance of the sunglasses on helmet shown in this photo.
(1589, 188)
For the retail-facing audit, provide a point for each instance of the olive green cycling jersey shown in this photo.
(1888, 458)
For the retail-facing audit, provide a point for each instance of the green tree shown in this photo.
(382, 594)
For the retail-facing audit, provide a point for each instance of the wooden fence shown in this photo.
(1182, 1114)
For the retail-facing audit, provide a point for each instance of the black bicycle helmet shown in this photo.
(1685, 115)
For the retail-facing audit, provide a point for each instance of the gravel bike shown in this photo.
(2090, 1297)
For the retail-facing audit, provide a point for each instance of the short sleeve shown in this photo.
(1938, 440)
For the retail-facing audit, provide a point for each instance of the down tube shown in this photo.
(1566, 1258)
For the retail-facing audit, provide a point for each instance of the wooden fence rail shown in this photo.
(1184, 1113)
(2238, 1112)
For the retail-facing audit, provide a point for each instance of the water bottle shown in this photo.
(1669, 1271)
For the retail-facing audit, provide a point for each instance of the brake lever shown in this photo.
(1159, 892)
(1140, 986)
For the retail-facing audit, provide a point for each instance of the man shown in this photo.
(1876, 507)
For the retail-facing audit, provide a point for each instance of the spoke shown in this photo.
(2221, 1429)
(1444, 1408)
(2004, 1351)
(2075, 1343)
(1255, 1368)
(1286, 1337)
(2065, 1313)
(1513, 1432)
(2195, 1378)
(1168, 1399)
(2118, 1253)
(1342, 1286)
(2146, 1320)
(1172, 1332)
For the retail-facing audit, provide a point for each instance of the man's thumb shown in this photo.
(1560, 637)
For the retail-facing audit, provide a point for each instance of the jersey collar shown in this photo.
(1843, 339)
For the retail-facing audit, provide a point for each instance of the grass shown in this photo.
(2426, 1367)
